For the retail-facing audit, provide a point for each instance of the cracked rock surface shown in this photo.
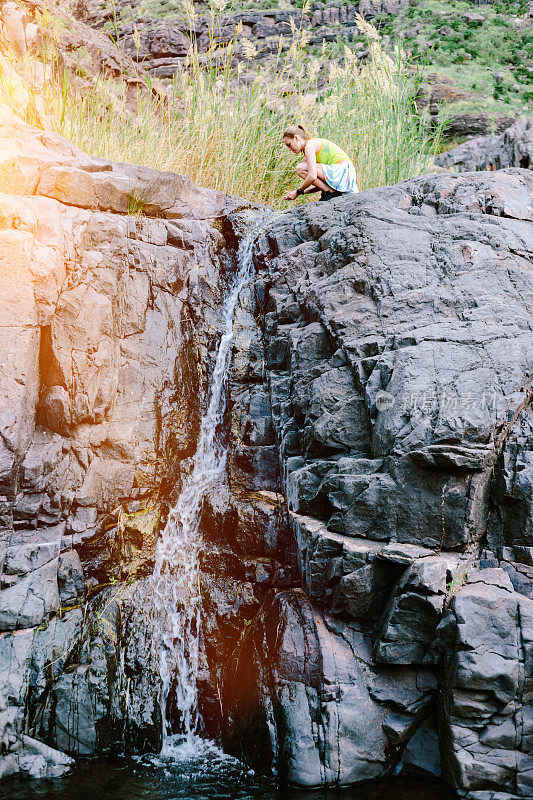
(398, 350)
(111, 279)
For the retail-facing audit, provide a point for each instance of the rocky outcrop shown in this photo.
(41, 41)
(164, 44)
(161, 45)
(513, 148)
(321, 714)
(397, 351)
(465, 125)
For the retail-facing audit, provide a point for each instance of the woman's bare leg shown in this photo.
(320, 181)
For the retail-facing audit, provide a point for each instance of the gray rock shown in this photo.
(300, 704)
(483, 684)
(37, 760)
(512, 148)
(31, 549)
(15, 651)
(413, 612)
(422, 753)
(376, 518)
(30, 601)
(162, 48)
(70, 578)
(69, 719)
(426, 492)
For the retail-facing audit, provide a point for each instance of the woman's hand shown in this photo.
(291, 195)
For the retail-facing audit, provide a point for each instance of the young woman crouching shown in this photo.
(325, 166)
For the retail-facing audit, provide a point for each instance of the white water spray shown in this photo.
(176, 576)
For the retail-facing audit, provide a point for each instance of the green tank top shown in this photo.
(330, 153)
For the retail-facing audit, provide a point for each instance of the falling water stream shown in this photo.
(175, 581)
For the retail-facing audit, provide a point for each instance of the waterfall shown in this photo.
(175, 582)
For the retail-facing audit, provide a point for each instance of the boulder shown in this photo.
(37, 760)
(512, 148)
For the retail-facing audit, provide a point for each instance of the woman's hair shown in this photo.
(296, 130)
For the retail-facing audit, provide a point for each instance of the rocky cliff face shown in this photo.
(367, 561)
(397, 348)
(111, 284)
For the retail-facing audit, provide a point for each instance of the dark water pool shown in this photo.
(211, 778)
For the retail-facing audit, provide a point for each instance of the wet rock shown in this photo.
(87, 708)
(54, 646)
(72, 727)
(99, 407)
(301, 705)
(37, 760)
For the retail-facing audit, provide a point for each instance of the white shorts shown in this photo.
(342, 176)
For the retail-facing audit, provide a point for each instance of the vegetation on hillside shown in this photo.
(221, 125)
(485, 50)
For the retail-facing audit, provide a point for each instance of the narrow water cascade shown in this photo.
(176, 576)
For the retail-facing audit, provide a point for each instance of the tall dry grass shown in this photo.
(222, 121)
